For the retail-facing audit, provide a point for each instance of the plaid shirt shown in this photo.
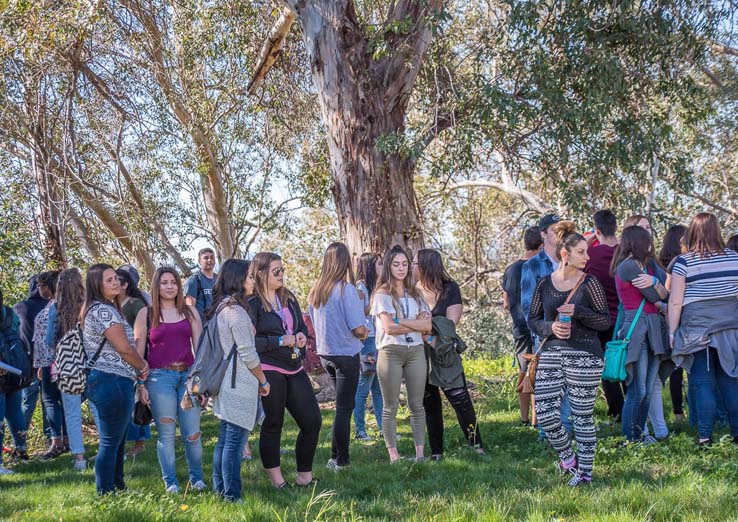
(534, 269)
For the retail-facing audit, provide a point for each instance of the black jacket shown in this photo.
(269, 329)
(27, 311)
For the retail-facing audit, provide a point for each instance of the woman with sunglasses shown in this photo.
(281, 336)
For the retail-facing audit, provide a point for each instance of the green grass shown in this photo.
(670, 481)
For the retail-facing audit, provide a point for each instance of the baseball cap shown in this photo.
(548, 220)
(131, 272)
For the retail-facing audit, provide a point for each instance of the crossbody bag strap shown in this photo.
(148, 329)
(635, 320)
(95, 357)
(568, 298)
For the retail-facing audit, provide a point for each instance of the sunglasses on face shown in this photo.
(277, 271)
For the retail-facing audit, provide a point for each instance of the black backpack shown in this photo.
(13, 353)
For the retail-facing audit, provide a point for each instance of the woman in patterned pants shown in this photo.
(571, 355)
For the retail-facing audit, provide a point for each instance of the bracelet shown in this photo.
(430, 338)
(279, 340)
(140, 383)
(655, 281)
(264, 384)
(397, 320)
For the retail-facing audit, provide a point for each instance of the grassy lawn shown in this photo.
(515, 481)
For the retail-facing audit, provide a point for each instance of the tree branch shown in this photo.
(530, 199)
(271, 49)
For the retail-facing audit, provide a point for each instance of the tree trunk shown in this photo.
(363, 100)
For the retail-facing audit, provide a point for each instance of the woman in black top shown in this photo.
(443, 296)
(281, 336)
(571, 355)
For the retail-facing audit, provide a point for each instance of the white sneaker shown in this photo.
(199, 486)
(79, 465)
(6, 471)
(173, 489)
(333, 465)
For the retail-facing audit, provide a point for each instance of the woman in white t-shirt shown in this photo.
(401, 319)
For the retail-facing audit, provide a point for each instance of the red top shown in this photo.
(600, 257)
(632, 297)
(170, 343)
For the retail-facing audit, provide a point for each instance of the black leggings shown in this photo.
(675, 389)
(462, 404)
(295, 393)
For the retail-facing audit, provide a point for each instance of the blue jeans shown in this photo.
(52, 403)
(136, 433)
(638, 394)
(227, 460)
(73, 420)
(30, 398)
(113, 397)
(166, 389)
(11, 409)
(368, 382)
(709, 379)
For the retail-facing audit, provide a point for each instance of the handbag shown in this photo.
(616, 352)
(142, 415)
(528, 383)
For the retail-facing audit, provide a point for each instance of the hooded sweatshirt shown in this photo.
(27, 311)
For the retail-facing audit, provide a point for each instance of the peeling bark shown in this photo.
(363, 100)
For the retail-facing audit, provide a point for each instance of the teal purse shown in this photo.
(616, 352)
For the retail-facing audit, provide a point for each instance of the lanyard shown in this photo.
(280, 313)
(406, 307)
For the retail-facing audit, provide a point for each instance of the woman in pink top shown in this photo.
(634, 267)
(166, 335)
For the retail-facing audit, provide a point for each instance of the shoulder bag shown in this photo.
(528, 382)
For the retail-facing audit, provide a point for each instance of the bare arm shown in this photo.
(676, 301)
(505, 301)
(196, 326)
(191, 301)
(139, 331)
(454, 312)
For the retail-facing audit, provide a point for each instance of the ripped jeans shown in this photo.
(166, 389)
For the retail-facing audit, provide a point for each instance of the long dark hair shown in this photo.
(673, 244)
(132, 289)
(433, 275)
(70, 297)
(636, 243)
(231, 277)
(337, 268)
(179, 301)
(94, 288)
(366, 270)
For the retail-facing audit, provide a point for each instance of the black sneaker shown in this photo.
(19, 454)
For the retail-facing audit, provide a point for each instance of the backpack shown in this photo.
(13, 353)
(71, 362)
(209, 368)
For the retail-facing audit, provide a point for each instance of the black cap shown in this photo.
(548, 220)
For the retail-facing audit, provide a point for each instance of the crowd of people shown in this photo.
(395, 323)
(572, 296)
(377, 322)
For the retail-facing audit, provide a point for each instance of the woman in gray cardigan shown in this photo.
(236, 406)
(640, 291)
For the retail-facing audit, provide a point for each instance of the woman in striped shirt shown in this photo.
(703, 321)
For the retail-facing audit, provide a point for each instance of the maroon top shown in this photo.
(632, 297)
(600, 257)
(171, 343)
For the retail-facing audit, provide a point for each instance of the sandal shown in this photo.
(313, 481)
(53, 452)
(283, 485)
